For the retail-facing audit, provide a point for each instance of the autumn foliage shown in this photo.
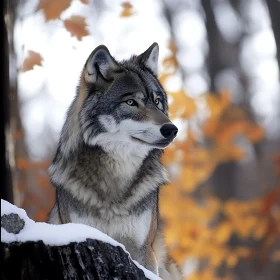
(198, 224)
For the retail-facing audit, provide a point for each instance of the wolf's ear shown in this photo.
(150, 58)
(100, 63)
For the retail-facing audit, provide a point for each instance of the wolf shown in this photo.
(107, 170)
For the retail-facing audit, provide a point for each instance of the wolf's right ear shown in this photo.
(150, 58)
(100, 63)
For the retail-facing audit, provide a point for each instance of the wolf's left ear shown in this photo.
(100, 63)
(150, 58)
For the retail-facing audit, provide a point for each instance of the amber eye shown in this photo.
(157, 101)
(131, 102)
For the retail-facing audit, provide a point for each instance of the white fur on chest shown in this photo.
(133, 227)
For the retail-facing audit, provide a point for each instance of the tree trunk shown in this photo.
(274, 11)
(6, 181)
(17, 148)
(215, 62)
(92, 259)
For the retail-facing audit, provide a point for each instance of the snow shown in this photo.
(57, 235)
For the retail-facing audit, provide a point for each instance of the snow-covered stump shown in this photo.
(86, 260)
(32, 250)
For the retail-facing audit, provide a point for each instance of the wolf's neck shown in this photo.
(102, 181)
(106, 169)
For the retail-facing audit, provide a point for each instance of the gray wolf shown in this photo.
(107, 170)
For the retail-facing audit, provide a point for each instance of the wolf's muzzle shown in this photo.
(169, 131)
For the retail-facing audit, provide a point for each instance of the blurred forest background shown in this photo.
(219, 63)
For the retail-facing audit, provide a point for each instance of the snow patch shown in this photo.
(57, 235)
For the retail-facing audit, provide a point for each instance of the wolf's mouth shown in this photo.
(138, 140)
(162, 144)
(159, 144)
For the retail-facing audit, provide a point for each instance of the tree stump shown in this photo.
(36, 259)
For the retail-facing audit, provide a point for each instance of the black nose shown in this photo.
(169, 131)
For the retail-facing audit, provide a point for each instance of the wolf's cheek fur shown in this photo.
(114, 138)
(145, 131)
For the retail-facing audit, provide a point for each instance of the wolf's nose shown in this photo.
(169, 131)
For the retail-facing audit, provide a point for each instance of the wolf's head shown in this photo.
(122, 103)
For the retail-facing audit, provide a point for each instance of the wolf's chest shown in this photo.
(132, 227)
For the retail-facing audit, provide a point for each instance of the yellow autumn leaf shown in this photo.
(188, 178)
(127, 9)
(244, 226)
(217, 103)
(208, 274)
(231, 260)
(169, 155)
(182, 105)
(217, 258)
(260, 229)
(223, 232)
(194, 276)
(197, 156)
(164, 77)
(243, 252)
(203, 171)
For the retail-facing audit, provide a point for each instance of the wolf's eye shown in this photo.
(131, 102)
(157, 100)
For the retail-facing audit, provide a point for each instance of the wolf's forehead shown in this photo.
(144, 82)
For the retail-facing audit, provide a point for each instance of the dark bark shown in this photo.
(169, 15)
(218, 59)
(92, 259)
(274, 11)
(6, 181)
(215, 62)
(17, 143)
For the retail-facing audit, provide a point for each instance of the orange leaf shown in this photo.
(164, 77)
(254, 133)
(232, 260)
(243, 252)
(84, 1)
(223, 232)
(217, 258)
(210, 127)
(76, 25)
(169, 155)
(237, 153)
(188, 178)
(127, 10)
(182, 105)
(52, 9)
(261, 229)
(31, 60)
